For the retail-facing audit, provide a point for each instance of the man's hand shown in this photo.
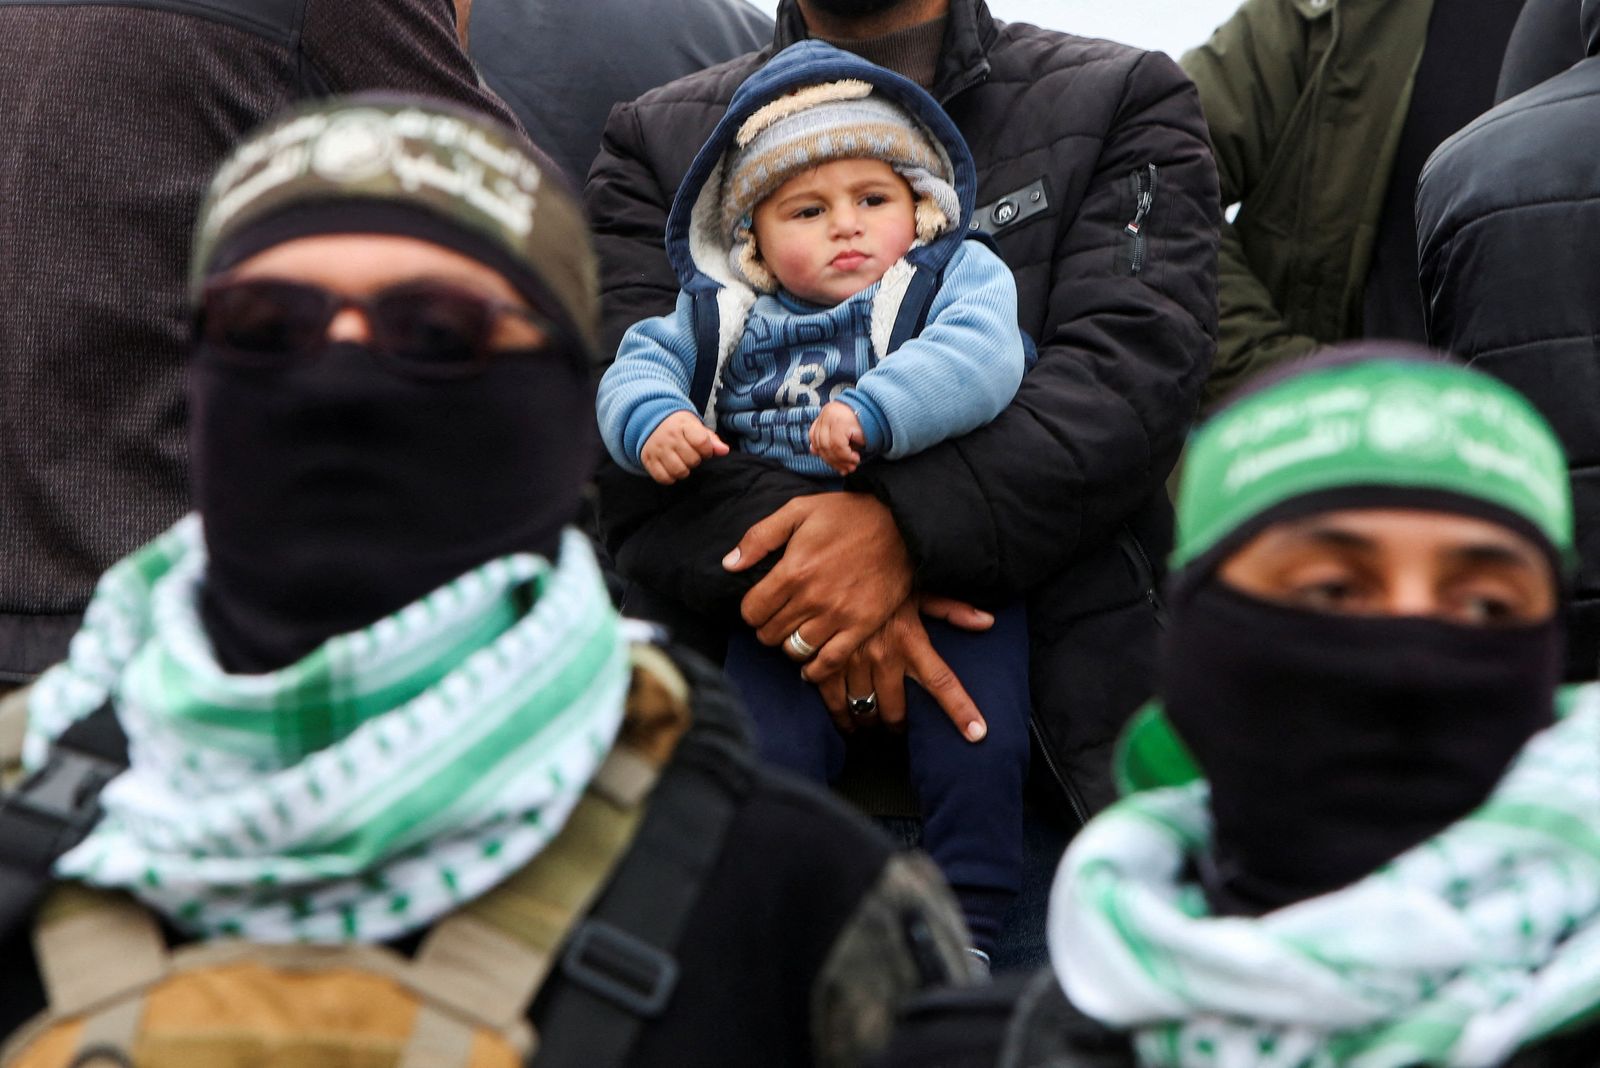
(901, 649)
(676, 447)
(843, 573)
(836, 437)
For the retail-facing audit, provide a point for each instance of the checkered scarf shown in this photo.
(361, 792)
(1459, 952)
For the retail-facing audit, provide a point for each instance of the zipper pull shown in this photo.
(1147, 197)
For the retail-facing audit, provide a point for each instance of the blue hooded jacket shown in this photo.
(735, 358)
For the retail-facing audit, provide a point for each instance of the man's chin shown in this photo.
(854, 9)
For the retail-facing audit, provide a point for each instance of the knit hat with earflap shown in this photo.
(819, 124)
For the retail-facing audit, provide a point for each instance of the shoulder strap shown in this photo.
(918, 302)
(54, 809)
(95, 945)
(618, 969)
(13, 727)
(914, 307)
(486, 963)
(707, 331)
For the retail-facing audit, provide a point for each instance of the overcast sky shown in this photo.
(1164, 25)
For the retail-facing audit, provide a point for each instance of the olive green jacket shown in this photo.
(1305, 100)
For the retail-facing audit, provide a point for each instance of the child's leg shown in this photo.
(971, 794)
(793, 729)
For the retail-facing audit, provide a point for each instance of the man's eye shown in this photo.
(1487, 610)
(1328, 595)
(1490, 606)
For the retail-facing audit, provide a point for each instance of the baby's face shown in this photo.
(832, 231)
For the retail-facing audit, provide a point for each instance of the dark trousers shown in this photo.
(970, 795)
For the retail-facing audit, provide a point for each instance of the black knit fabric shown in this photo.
(115, 118)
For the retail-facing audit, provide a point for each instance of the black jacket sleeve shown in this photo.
(1098, 423)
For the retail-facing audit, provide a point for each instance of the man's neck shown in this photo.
(905, 13)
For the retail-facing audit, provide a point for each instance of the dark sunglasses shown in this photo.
(424, 329)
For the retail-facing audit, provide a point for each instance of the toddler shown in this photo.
(832, 314)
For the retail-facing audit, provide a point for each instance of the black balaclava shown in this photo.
(1332, 743)
(333, 491)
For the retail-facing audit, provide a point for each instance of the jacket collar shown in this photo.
(964, 63)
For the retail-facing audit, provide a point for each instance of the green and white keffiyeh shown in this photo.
(362, 792)
(1459, 952)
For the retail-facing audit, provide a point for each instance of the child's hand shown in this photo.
(837, 435)
(677, 446)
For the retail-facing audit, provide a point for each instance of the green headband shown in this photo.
(1383, 423)
(471, 175)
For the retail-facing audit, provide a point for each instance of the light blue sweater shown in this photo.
(958, 373)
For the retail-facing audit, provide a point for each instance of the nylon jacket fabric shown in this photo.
(1305, 100)
(116, 116)
(1508, 216)
(1061, 497)
(1546, 41)
(563, 64)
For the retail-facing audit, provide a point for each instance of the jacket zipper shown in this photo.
(1079, 809)
(1144, 187)
(1147, 577)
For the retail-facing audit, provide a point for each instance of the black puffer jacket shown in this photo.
(1061, 498)
(1508, 221)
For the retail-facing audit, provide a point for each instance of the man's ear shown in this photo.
(463, 21)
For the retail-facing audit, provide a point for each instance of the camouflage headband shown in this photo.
(1376, 425)
(470, 175)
